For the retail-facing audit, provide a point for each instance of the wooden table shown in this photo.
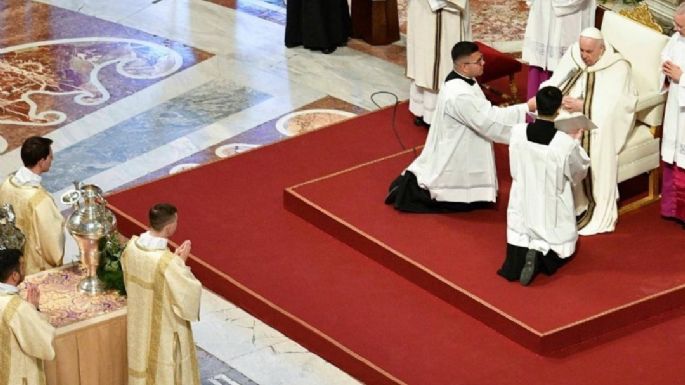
(90, 341)
(375, 21)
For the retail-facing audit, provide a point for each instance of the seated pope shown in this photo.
(596, 80)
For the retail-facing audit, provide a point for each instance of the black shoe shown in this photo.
(418, 121)
(328, 50)
(528, 271)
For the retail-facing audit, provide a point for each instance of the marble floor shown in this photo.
(131, 91)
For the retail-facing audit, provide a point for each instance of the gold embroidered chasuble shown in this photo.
(40, 221)
(25, 340)
(163, 298)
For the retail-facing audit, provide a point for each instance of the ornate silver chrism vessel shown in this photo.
(10, 235)
(90, 221)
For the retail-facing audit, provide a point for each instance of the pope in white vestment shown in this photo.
(673, 138)
(457, 163)
(433, 27)
(596, 80)
(163, 298)
(26, 338)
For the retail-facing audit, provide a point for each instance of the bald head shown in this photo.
(679, 19)
(591, 44)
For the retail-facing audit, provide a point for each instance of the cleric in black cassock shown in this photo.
(319, 25)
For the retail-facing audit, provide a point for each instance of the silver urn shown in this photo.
(88, 223)
(10, 235)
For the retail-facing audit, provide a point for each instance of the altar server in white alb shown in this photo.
(541, 220)
(597, 81)
(433, 27)
(163, 298)
(553, 25)
(456, 168)
(673, 140)
(26, 337)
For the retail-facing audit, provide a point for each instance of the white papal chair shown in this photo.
(641, 46)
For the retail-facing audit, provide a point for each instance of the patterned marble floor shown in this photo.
(131, 91)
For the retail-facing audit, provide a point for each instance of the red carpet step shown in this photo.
(364, 318)
(613, 281)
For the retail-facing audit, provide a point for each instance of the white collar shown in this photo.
(609, 57)
(149, 241)
(26, 177)
(464, 76)
(8, 289)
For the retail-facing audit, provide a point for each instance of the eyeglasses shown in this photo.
(479, 61)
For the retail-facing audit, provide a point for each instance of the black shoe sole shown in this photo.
(528, 271)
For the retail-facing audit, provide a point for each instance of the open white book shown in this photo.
(570, 123)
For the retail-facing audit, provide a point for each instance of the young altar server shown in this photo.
(456, 168)
(25, 335)
(541, 221)
(163, 298)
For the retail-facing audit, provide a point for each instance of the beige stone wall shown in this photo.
(663, 11)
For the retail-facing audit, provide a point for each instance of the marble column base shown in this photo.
(663, 11)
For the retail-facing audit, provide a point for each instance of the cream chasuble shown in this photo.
(673, 141)
(25, 340)
(609, 101)
(553, 25)
(433, 28)
(457, 163)
(163, 297)
(39, 220)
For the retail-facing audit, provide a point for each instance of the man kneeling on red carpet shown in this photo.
(456, 169)
(541, 221)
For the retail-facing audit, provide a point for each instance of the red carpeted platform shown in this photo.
(341, 304)
(612, 282)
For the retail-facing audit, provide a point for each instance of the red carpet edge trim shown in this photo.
(361, 165)
(341, 355)
(521, 333)
(563, 337)
(277, 142)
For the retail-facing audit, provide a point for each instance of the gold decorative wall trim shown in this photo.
(642, 15)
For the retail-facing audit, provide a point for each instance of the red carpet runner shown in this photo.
(364, 318)
(455, 257)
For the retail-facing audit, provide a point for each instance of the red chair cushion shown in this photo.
(497, 64)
